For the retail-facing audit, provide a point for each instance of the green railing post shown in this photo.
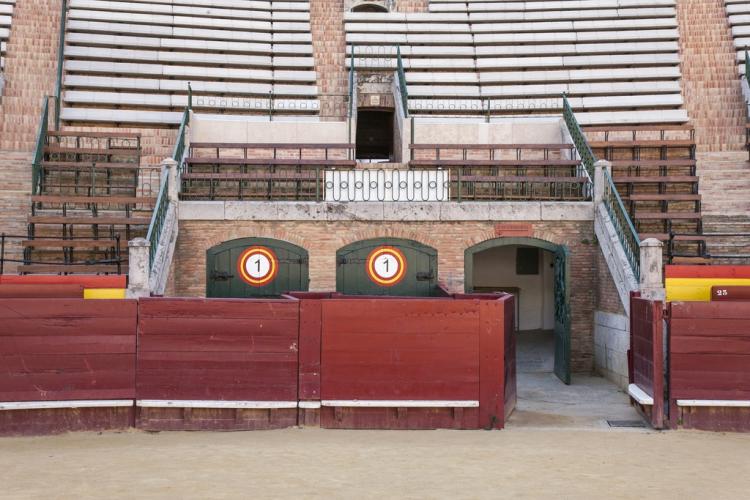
(402, 81)
(579, 139)
(60, 58)
(190, 97)
(41, 139)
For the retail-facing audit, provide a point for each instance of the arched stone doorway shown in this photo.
(537, 272)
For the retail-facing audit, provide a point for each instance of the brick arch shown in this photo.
(416, 234)
(266, 231)
(499, 241)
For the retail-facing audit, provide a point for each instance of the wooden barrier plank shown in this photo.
(491, 369)
(708, 310)
(310, 324)
(686, 271)
(383, 350)
(87, 281)
(34, 291)
(511, 390)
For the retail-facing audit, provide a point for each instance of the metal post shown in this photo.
(190, 97)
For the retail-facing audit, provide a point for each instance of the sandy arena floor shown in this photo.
(314, 463)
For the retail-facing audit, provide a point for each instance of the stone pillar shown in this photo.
(173, 189)
(599, 182)
(652, 284)
(138, 268)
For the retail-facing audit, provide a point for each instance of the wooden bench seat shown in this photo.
(270, 162)
(486, 147)
(636, 128)
(665, 237)
(494, 163)
(667, 216)
(94, 200)
(653, 163)
(257, 176)
(94, 151)
(61, 243)
(270, 145)
(90, 133)
(656, 179)
(108, 221)
(643, 144)
(72, 269)
(522, 178)
(88, 165)
(662, 197)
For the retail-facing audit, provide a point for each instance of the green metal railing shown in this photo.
(157, 219)
(402, 81)
(579, 139)
(747, 66)
(624, 227)
(41, 141)
(179, 146)
(60, 60)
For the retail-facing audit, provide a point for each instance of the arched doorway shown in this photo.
(387, 266)
(255, 267)
(537, 272)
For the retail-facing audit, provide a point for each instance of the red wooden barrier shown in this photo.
(691, 271)
(407, 362)
(730, 293)
(63, 350)
(34, 291)
(217, 363)
(709, 376)
(88, 281)
(647, 357)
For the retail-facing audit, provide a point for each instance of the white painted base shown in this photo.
(46, 405)
(400, 404)
(611, 344)
(261, 405)
(725, 403)
(640, 395)
(309, 405)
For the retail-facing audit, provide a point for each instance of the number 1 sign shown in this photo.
(258, 266)
(386, 266)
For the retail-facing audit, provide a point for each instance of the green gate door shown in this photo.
(387, 266)
(562, 314)
(255, 267)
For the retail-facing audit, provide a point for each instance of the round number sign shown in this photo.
(258, 266)
(386, 266)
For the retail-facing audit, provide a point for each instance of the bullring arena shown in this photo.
(333, 225)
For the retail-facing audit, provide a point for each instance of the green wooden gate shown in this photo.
(271, 267)
(562, 314)
(371, 267)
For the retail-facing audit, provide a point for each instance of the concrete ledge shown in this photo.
(385, 211)
(726, 403)
(640, 395)
(400, 404)
(169, 403)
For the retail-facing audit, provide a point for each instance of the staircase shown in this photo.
(329, 51)
(92, 200)
(30, 71)
(728, 249)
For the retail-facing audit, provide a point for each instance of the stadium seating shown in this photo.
(130, 62)
(617, 60)
(6, 15)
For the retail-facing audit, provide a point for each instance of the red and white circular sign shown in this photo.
(258, 266)
(386, 266)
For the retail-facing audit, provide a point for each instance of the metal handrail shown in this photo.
(402, 81)
(157, 218)
(579, 138)
(60, 58)
(626, 232)
(747, 65)
(41, 141)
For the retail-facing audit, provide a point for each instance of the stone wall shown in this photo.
(451, 239)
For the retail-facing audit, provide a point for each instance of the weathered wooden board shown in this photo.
(511, 390)
(730, 293)
(709, 359)
(218, 349)
(87, 281)
(45, 291)
(67, 349)
(59, 420)
(646, 355)
(687, 271)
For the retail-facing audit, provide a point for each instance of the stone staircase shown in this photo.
(329, 51)
(30, 71)
(728, 249)
(710, 81)
(90, 204)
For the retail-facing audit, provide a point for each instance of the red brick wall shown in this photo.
(322, 239)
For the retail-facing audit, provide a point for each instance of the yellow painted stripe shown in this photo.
(698, 289)
(104, 293)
